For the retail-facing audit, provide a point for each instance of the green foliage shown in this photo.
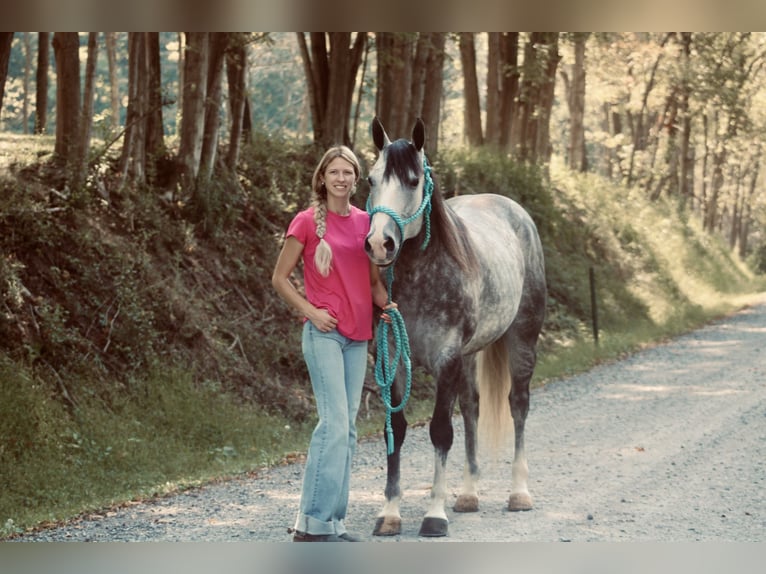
(159, 434)
(143, 350)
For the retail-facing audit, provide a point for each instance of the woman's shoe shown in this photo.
(349, 537)
(306, 537)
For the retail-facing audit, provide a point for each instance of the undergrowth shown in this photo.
(143, 350)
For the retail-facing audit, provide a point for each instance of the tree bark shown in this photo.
(541, 59)
(114, 87)
(418, 78)
(472, 113)
(86, 119)
(509, 57)
(217, 50)
(686, 183)
(576, 100)
(155, 131)
(236, 72)
(66, 47)
(193, 115)
(6, 40)
(331, 77)
(432, 97)
(133, 157)
(27, 75)
(747, 208)
(395, 68)
(41, 90)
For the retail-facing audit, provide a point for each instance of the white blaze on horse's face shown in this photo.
(401, 198)
(396, 193)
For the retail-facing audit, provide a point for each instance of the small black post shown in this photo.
(593, 306)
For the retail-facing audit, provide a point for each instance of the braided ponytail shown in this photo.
(323, 254)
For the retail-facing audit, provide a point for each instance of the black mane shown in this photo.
(447, 230)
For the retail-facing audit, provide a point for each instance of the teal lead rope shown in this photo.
(385, 366)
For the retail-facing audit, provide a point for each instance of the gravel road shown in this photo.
(667, 445)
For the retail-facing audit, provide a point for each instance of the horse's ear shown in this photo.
(419, 134)
(379, 136)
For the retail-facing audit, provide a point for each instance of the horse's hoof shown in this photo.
(466, 503)
(433, 527)
(387, 526)
(519, 501)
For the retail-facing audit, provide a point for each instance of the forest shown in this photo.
(146, 179)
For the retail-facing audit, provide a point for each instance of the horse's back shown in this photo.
(494, 220)
(506, 243)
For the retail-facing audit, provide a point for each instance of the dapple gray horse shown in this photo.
(469, 282)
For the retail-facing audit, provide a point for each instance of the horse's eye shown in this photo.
(414, 182)
(369, 180)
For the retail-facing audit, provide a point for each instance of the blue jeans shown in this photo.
(337, 366)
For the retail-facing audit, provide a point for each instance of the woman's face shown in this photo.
(339, 178)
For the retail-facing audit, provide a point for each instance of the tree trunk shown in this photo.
(331, 77)
(133, 158)
(360, 93)
(27, 76)
(217, 50)
(193, 115)
(502, 87)
(576, 100)
(66, 47)
(41, 90)
(747, 208)
(86, 119)
(472, 112)
(686, 188)
(495, 74)
(114, 87)
(6, 39)
(155, 130)
(395, 71)
(541, 59)
(418, 78)
(543, 148)
(509, 51)
(432, 97)
(236, 73)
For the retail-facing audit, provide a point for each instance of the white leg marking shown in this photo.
(438, 491)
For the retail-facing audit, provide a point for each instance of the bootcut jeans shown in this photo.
(336, 366)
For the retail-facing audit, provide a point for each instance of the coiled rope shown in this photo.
(385, 365)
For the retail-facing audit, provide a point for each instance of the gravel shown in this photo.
(668, 445)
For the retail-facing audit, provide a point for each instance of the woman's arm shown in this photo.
(280, 279)
(379, 292)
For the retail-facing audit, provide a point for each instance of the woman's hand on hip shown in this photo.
(323, 321)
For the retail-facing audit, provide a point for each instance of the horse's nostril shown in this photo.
(389, 245)
(367, 246)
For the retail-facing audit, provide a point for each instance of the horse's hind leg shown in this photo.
(468, 499)
(389, 521)
(523, 359)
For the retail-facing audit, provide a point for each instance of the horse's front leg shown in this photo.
(435, 522)
(389, 521)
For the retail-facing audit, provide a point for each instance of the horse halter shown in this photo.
(385, 365)
(425, 207)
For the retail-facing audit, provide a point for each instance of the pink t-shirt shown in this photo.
(346, 291)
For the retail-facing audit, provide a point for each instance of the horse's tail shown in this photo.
(494, 382)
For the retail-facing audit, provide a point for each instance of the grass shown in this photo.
(103, 394)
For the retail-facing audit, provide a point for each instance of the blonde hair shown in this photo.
(323, 254)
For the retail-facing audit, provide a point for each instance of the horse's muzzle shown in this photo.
(381, 250)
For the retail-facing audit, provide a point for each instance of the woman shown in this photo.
(341, 286)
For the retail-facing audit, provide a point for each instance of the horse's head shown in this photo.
(397, 197)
